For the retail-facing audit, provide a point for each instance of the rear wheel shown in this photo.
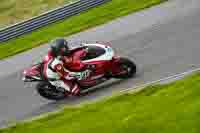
(127, 68)
(48, 91)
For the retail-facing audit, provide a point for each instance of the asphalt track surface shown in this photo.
(163, 41)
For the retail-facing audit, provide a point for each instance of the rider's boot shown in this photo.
(75, 90)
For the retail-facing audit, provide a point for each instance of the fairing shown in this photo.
(104, 63)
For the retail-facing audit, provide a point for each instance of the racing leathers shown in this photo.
(62, 72)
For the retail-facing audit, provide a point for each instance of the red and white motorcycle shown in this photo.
(106, 66)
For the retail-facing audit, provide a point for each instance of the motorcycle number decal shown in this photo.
(86, 74)
(83, 75)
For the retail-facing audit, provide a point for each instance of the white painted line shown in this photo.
(174, 77)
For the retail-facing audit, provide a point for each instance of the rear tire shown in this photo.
(48, 91)
(128, 66)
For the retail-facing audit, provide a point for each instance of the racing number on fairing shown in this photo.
(85, 74)
(82, 75)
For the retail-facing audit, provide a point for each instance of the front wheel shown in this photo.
(48, 91)
(127, 68)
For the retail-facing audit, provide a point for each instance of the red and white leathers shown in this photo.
(61, 72)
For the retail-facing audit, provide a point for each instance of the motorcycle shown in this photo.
(106, 65)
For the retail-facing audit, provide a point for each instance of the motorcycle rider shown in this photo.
(64, 65)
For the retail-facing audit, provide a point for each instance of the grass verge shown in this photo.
(91, 18)
(171, 108)
(14, 11)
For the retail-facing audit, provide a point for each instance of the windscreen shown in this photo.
(94, 52)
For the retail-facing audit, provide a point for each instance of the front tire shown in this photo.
(128, 66)
(48, 91)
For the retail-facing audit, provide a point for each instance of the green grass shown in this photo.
(171, 108)
(13, 11)
(75, 24)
